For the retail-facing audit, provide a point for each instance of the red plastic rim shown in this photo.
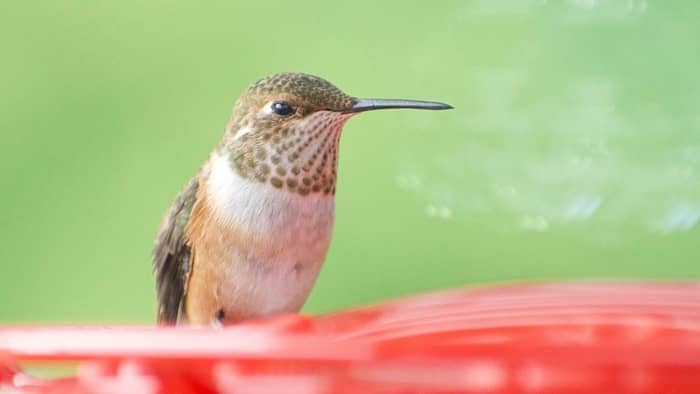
(539, 338)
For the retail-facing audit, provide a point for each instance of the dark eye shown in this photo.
(282, 108)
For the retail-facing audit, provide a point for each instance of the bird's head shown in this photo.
(285, 128)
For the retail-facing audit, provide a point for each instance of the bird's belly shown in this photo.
(281, 286)
(275, 279)
(272, 242)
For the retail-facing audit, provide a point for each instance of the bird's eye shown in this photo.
(282, 108)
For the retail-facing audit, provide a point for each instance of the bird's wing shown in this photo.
(171, 255)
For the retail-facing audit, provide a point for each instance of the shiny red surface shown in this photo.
(541, 338)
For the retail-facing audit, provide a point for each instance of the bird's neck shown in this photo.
(258, 210)
(302, 159)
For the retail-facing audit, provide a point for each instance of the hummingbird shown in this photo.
(247, 235)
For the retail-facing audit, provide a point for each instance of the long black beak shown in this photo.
(362, 105)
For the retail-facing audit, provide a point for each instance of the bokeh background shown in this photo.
(573, 151)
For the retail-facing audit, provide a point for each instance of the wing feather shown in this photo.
(172, 255)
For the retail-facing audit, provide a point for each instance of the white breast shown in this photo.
(296, 231)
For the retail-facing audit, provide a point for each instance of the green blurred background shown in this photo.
(573, 151)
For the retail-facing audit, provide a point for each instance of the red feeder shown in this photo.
(544, 338)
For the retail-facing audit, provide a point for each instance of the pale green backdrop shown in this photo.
(573, 151)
